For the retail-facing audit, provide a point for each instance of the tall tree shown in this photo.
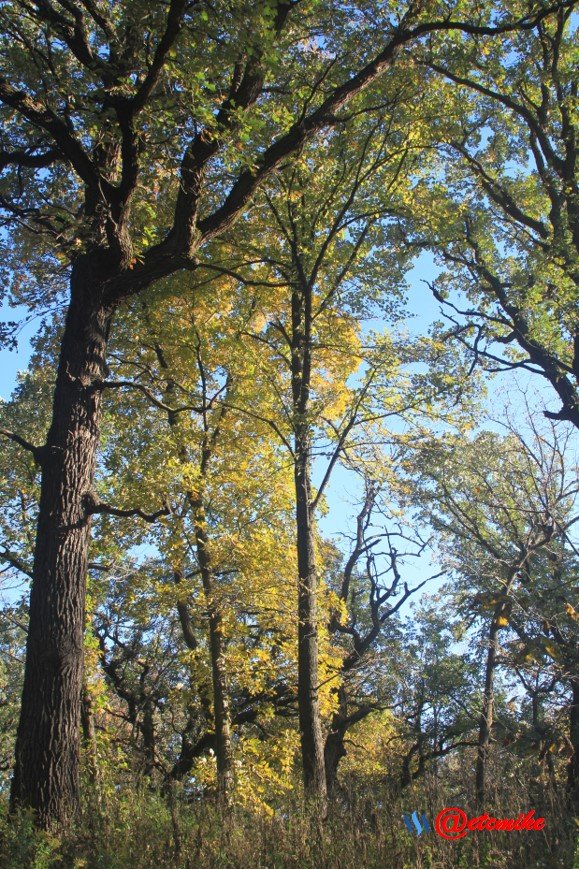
(323, 248)
(134, 135)
(500, 504)
(188, 371)
(325, 220)
(509, 234)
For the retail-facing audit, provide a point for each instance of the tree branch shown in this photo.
(131, 384)
(37, 452)
(95, 505)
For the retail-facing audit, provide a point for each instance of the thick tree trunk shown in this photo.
(486, 717)
(46, 776)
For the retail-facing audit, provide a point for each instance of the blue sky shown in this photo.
(343, 493)
(11, 362)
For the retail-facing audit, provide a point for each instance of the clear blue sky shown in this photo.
(343, 493)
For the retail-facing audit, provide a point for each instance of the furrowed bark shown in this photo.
(334, 748)
(46, 773)
(46, 776)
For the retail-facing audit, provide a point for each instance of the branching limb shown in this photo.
(95, 505)
(37, 452)
(14, 561)
(131, 384)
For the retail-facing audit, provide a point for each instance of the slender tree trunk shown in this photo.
(221, 706)
(573, 767)
(487, 713)
(148, 733)
(334, 748)
(308, 678)
(46, 776)
(406, 774)
(312, 742)
(223, 742)
(90, 742)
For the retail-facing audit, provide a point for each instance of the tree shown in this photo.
(370, 589)
(183, 365)
(325, 278)
(107, 111)
(317, 255)
(436, 693)
(509, 240)
(314, 249)
(543, 653)
(501, 505)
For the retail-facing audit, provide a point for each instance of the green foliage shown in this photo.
(238, 353)
(140, 829)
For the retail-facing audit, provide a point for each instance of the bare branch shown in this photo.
(95, 505)
(37, 452)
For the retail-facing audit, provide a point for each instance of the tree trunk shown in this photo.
(312, 743)
(486, 717)
(573, 767)
(90, 741)
(334, 751)
(221, 707)
(334, 748)
(149, 737)
(46, 776)
(223, 743)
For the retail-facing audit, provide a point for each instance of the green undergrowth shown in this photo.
(142, 829)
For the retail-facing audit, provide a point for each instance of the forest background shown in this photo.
(289, 484)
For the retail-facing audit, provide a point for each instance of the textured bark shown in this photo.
(334, 748)
(308, 678)
(46, 774)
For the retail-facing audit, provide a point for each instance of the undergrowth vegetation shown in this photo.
(365, 828)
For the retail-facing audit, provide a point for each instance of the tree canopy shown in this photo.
(270, 549)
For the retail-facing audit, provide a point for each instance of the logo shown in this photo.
(421, 824)
(453, 823)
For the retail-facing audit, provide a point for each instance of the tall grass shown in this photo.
(142, 829)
